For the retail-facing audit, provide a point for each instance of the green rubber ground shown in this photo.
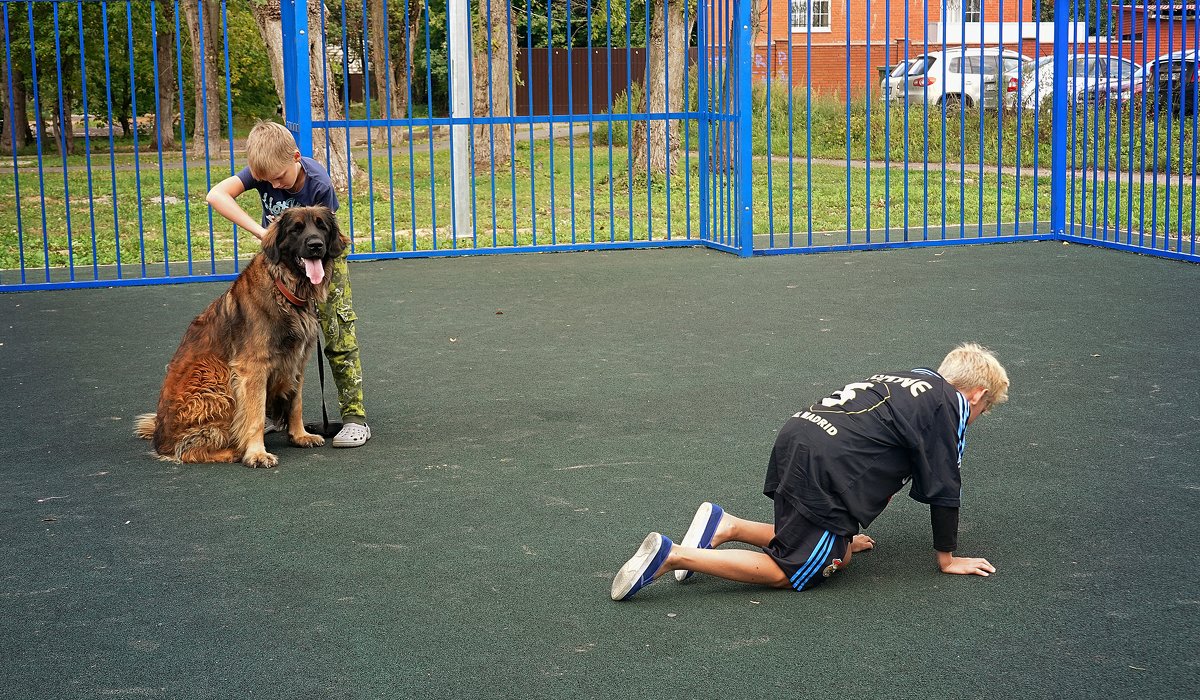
(535, 416)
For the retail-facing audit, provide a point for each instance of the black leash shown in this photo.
(327, 429)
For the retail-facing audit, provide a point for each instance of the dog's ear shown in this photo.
(271, 242)
(335, 241)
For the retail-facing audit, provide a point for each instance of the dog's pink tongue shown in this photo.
(315, 270)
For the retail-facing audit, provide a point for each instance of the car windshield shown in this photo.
(1038, 65)
(899, 70)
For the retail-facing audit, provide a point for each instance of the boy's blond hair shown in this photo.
(270, 148)
(971, 365)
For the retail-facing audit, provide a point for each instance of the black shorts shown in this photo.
(806, 552)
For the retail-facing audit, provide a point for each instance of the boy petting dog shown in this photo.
(283, 178)
(834, 468)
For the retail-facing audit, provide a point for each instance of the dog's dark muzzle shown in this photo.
(314, 247)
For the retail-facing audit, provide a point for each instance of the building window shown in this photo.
(972, 11)
(811, 15)
(963, 11)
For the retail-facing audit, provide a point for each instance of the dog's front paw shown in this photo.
(306, 439)
(260, 460)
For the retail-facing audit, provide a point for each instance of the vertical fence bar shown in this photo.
(349, 155)
(62, 131)
(412, 164)
(887, 117)
(229, 115)
(158, 136)
(1154, 136)
(1195, 121)
(867, 144)
(87, 139)
(16, 170)
(37, 107)
(666, 109)
(112, 161)
(848, 100)
(924, 128)
(686, 124)
(570, 49)
(1037, 108)
(1170, 113)
(1142, 141)
(1058, 152)
(1017, 107)
(612, 125)
(1183, 82)
(510, 88)
(429, 132)
(770, 64)
(300, 86)
(745, 116)
(532, 142)
(187, 212)
(945, 68)
(907, 102)
(203, 87)
(646, 106)
(366, 73)
(704, 105)
(387, 101)
(807, 135)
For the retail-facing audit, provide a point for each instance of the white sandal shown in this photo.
(352, 435)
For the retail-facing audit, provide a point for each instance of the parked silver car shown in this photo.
(969, 77)
(1089, 79)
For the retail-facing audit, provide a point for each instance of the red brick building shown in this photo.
(875, 33)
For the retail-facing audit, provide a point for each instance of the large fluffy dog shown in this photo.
(244, 356)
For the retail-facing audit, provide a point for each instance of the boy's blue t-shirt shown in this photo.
(316, 190)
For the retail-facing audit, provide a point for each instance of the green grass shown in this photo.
(535, 203)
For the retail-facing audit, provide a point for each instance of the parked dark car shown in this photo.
(1172, 83)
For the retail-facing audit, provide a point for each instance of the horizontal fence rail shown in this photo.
(757, 127)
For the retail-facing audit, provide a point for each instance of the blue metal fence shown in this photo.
(756, 127)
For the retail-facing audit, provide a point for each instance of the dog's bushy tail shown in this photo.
(145, 426)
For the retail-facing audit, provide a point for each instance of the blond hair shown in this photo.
(270, 148)
(971, 365)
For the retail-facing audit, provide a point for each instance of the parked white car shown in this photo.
(969, 77)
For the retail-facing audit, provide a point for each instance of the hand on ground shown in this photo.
(861, 543)
(969, 565)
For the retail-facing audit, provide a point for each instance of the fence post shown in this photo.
(297, 91)
(703, 105)
(1058, 123)
(744, 156)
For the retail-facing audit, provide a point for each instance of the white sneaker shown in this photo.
(270, 426)
(352, 435)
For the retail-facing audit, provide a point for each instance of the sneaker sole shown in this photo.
(633, 569)
(694, 532)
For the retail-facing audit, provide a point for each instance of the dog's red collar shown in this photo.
(295, 300)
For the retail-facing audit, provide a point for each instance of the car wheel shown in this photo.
(950, 103)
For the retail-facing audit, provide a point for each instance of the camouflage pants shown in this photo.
(341, 344)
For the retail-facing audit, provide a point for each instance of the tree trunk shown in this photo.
(404, 77)
(64, 129)
(207, 96)
(266, 15)
(666, 63)
(387, 92)
(7, 134)
(164, 114)
(493, 82)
